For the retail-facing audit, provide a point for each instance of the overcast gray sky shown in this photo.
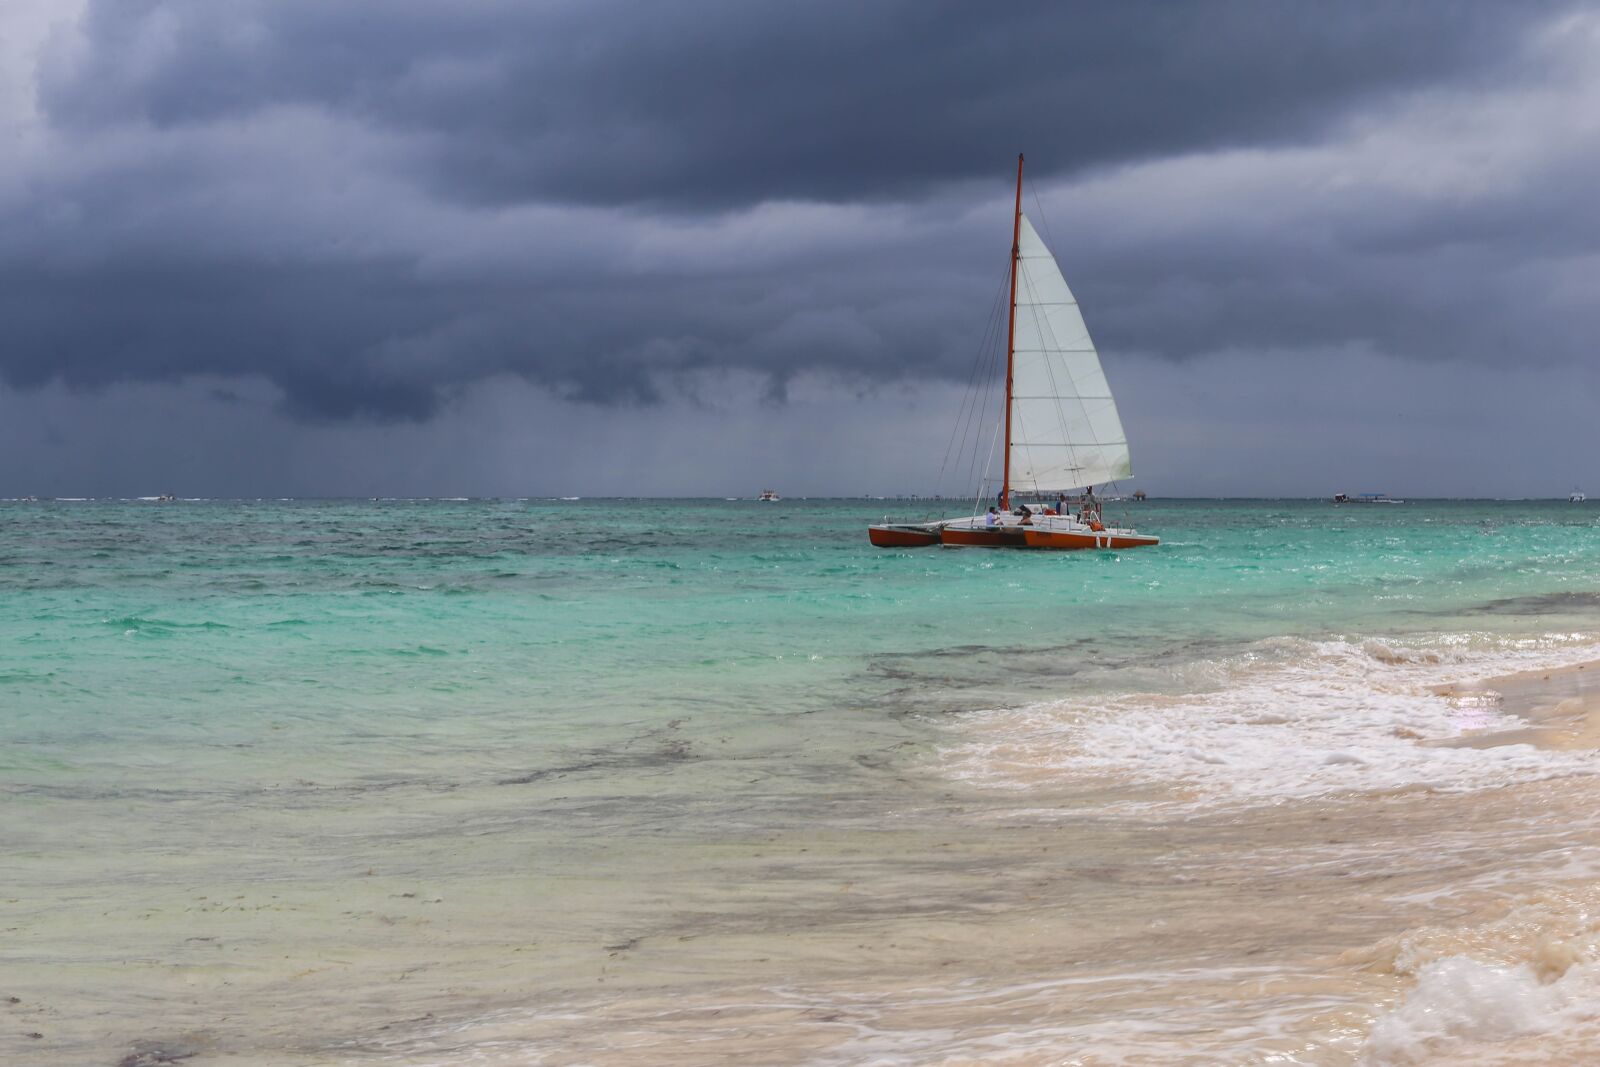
(493, 247)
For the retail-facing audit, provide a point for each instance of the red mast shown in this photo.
(1011, 337)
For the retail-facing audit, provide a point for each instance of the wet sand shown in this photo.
(1560, 706)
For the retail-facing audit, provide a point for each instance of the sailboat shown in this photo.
(1062, 430)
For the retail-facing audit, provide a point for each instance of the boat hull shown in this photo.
(903, 535)
(984, 537)
(1068, 540)
(1050, 532)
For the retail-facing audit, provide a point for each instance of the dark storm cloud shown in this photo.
(374, 205)
(710, 104)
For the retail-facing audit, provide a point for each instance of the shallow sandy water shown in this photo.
(1077, 924)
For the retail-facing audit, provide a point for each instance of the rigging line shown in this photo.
(975, 472)
(988, 392)
(983, 490)
(969, 397)
(965, 418)
(1033, 187)
(975, 416)
(981, 408)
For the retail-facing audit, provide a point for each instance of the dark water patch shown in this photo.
(958, 679)
(668, 753)
(241, 585)
(275, 794)
(904, 665)
(160, 626)
(948, 650)
(1541, 604)
(156, 1053)
(406, 652)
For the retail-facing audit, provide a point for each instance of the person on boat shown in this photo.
(1027, 516)
(993, 518)
(1062, 507)
(1089, 515)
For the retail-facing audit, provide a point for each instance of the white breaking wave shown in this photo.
(1291, 718)
(1464, 1010)
(1521, 988)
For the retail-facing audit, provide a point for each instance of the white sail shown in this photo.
(1065, 432)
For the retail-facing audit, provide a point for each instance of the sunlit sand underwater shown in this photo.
(622, 782)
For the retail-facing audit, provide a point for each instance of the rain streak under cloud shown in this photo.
(406, 247)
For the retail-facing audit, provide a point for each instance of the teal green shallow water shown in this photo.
(201, 692)
(131, 628)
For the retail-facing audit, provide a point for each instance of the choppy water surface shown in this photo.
(697, 782)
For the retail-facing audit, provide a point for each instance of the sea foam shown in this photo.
(1290, 718)
(1521, 988)
(1464, 1010)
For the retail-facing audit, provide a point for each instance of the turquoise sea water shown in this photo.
(509, 702)
(132, 627)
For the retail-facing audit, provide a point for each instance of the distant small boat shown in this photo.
(769, 495)
(1366, 498)
(1576, 497)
